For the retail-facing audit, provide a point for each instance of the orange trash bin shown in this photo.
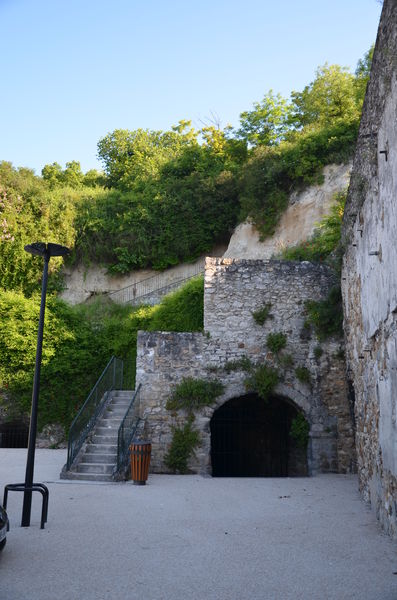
(140, 453)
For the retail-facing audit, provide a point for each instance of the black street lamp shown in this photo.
(46, 251)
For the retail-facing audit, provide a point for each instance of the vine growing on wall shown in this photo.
(184, 441)
(191, 394)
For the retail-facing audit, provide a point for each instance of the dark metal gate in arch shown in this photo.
(14, 435)
(250, 437)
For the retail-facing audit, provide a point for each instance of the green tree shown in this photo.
(362, 74)
(130, 158)
(268, 122)
(72, 175)
(329, 98)
(52, 174)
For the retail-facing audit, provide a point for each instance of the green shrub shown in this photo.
(241, 364)
(327, 315)
(276, 342)
(262, 314)
(78, 343)
(303, 375)
(192, 394)
(263, 380)
(286, 360)
(300, 431)
(185, 439)
(318, 352)
(182, 310)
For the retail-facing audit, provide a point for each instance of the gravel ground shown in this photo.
(189, 537)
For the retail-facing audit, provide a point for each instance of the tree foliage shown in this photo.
(78, 342)
(268, 122)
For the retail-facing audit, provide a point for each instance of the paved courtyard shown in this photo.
(189, 537)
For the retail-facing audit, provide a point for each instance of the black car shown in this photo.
(3, 527)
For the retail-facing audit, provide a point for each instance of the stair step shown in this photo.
(113, 412)
(109, 422)
(87, 476)
(100, 458)
(102, 469)
(104, 439)
(122, 395)
(101, 448)
(106, 431)
(119, 406)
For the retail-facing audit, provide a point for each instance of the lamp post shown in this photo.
(46, 251)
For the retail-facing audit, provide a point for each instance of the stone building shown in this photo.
(240, 433)
(369, 279)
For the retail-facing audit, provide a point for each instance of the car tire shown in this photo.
(2, 544)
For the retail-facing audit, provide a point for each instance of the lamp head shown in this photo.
(46, 250)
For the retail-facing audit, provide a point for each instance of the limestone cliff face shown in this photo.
(305, 210)
(84, 282)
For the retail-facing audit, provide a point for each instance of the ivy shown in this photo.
(327, 315)
(191, 394)
(276, 342)
(299, 431)
(303, 375)
(262, 314)
(262, 380)
(184, 440)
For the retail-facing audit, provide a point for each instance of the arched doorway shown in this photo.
(251, 437)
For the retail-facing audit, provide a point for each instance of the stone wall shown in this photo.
(233, 290)
(369, 279)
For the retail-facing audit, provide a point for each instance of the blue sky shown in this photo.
(73, 71)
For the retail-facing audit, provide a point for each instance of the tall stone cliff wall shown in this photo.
(369, 279)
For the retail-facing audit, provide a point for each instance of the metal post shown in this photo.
(27, 496)
(45, 251)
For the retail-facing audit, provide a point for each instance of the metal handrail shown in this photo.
(127, 430)
(110, 379)
(151, 285)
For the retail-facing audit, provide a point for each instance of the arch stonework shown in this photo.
(234, 289)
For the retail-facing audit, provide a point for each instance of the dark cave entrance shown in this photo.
(251, 437)
(14, 434)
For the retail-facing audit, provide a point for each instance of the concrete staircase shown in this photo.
(97, 458)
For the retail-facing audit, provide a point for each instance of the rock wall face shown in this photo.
(306, 208)
(83, 282)
(369, 279)
(234, 289)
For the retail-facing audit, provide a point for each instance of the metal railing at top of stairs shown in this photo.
(127, 430)
(110, 379)
(151, 285)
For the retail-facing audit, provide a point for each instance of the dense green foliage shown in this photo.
(184, 440)
(169, 196)
(262, 380)
(262, 314)
(30, 212)
(299, 431)
(78, 342)
(303, 374)
(276, 342)
(191, 394)
(327, 315)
